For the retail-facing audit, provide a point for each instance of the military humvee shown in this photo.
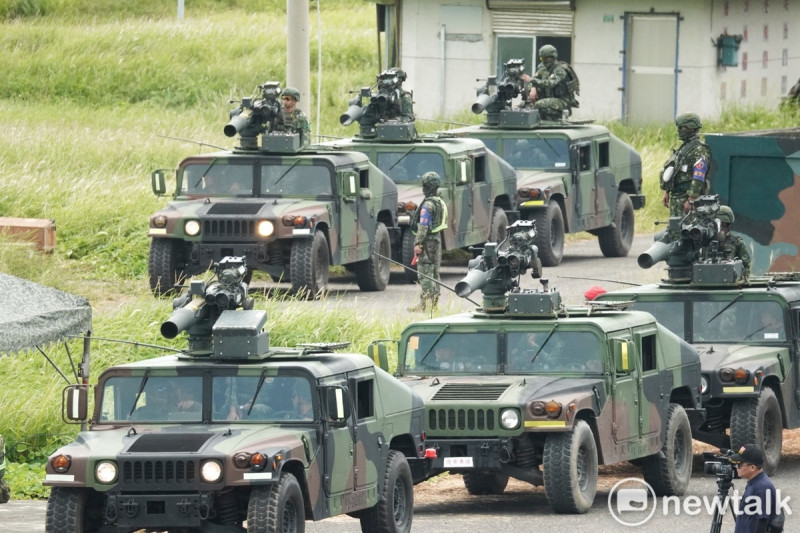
(525, 387)
(234, 429)
(291, 213)
(746, 332)
(477, 186)
(571, 176)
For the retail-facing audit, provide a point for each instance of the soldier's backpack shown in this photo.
(573, 84)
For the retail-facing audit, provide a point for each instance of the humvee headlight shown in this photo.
(726, 374)
(509, 418)
(265, 228)
(537, 409)
(703, 385)
(211, 471)
(192, 228)
(159, 221)
(524, 192)
(105, 472)
(61, 463)
(241, 460)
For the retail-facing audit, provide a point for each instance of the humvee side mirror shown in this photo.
(349, 186)
(75, 403)
(158, 181)
(379, 355)
(622, 354)
(337, 406)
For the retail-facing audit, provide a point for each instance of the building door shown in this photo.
(651, 66)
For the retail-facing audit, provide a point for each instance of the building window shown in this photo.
(784, 83)
(744, 89)
(785, 57)
(744, 33)
(763, 86)
(516, 47)
(785, 31)
(764, 59)
(744, 60)
(746, 6)
(725, 7)
(722, 88)
(766, 6)
(766, 32)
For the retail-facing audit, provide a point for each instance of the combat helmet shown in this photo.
(430, 183)
(548, 50)
(291, 91)
(690, 120)
(725, 214)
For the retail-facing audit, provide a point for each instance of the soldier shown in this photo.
(731, 245)
(550, 89)
(293, 120)
(428, 222)
(405, 108)
(684, 175)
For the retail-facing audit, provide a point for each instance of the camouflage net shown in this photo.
(35, 315)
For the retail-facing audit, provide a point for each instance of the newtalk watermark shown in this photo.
(633, 502)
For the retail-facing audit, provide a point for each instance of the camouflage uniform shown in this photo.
(429, 221)
(684, 174)
(295, 121)
(550, 81)
(731, 245)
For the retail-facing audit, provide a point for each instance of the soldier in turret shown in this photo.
(684, 175)
(428, 222)
(550, 87)
(291, 119)
(731, 245)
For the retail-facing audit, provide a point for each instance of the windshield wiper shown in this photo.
(539, 135)
(401, 158)
(205, 172)
(738, 296)
(441, 333)
(546, 339)
(258, 389)
(287, 171)
(139, 392)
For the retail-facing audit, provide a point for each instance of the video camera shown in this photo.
(496, 96)
(720, 465)
(255, 115)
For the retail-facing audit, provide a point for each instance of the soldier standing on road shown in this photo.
(293, 120)
(684, 175)
(731, 245)
(550, 89)
(758, 508)
(428, 222)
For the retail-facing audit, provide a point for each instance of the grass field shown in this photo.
(90, 90)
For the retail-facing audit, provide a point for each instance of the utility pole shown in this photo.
(298, 61)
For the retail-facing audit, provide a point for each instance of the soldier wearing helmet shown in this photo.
(731, 245)
(290, 119)
(684, 175)
(550, 89)
(428, 222)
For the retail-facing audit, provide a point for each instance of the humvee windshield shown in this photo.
(405, 166)
(727, 321)
(532, 152)
(514, 352)
(162, 399)
(221, 179)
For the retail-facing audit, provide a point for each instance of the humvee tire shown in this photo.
(394, 510)
(758, 421)
(570, 469)
(310, 263)
(277, 508)
(480, 483)
(164, 266)
(373, 273)
(5, 491)
(498, 225)
(550, 234)
(407, 255)
(615, 240)
(69, 511)
(668, 471)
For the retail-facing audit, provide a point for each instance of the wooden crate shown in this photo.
(39, 232)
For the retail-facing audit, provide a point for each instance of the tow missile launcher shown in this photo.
(256, 116)
(495, 98)
(690, 248)
(379, 113)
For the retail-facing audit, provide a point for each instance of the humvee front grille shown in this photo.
(461, 420)
(167, 472)
(228, 229)
(470, 392)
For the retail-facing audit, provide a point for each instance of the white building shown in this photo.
(637, 61)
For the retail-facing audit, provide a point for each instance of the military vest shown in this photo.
(438, 211)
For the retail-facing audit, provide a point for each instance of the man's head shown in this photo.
(688, 125)
(748, 460)
(725, 216)
(290, 98)
(548, 54)
(430, 183)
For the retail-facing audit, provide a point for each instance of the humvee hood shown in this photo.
(502, 388)
(265, 207)
(716, 356)
(410, 192)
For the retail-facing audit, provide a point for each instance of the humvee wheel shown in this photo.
(570, 469)
(5, 491)
(69, 510)
(373, 274)
(498, 227)
(395, 507)
(165, 266)
(759, 421)
(616, 240)
(277, 508)
(550, 234)
(479, 483)
(309, 264)
(669, 470)
(407, 255)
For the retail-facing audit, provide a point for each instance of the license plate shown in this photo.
(458, 462)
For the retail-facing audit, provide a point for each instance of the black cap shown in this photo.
(748, 453)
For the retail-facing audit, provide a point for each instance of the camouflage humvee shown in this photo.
(527, 388)
(291, 213)
(236, 430)
(746, 332)
(571, 176)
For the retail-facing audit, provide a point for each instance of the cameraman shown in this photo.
(758, 507)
